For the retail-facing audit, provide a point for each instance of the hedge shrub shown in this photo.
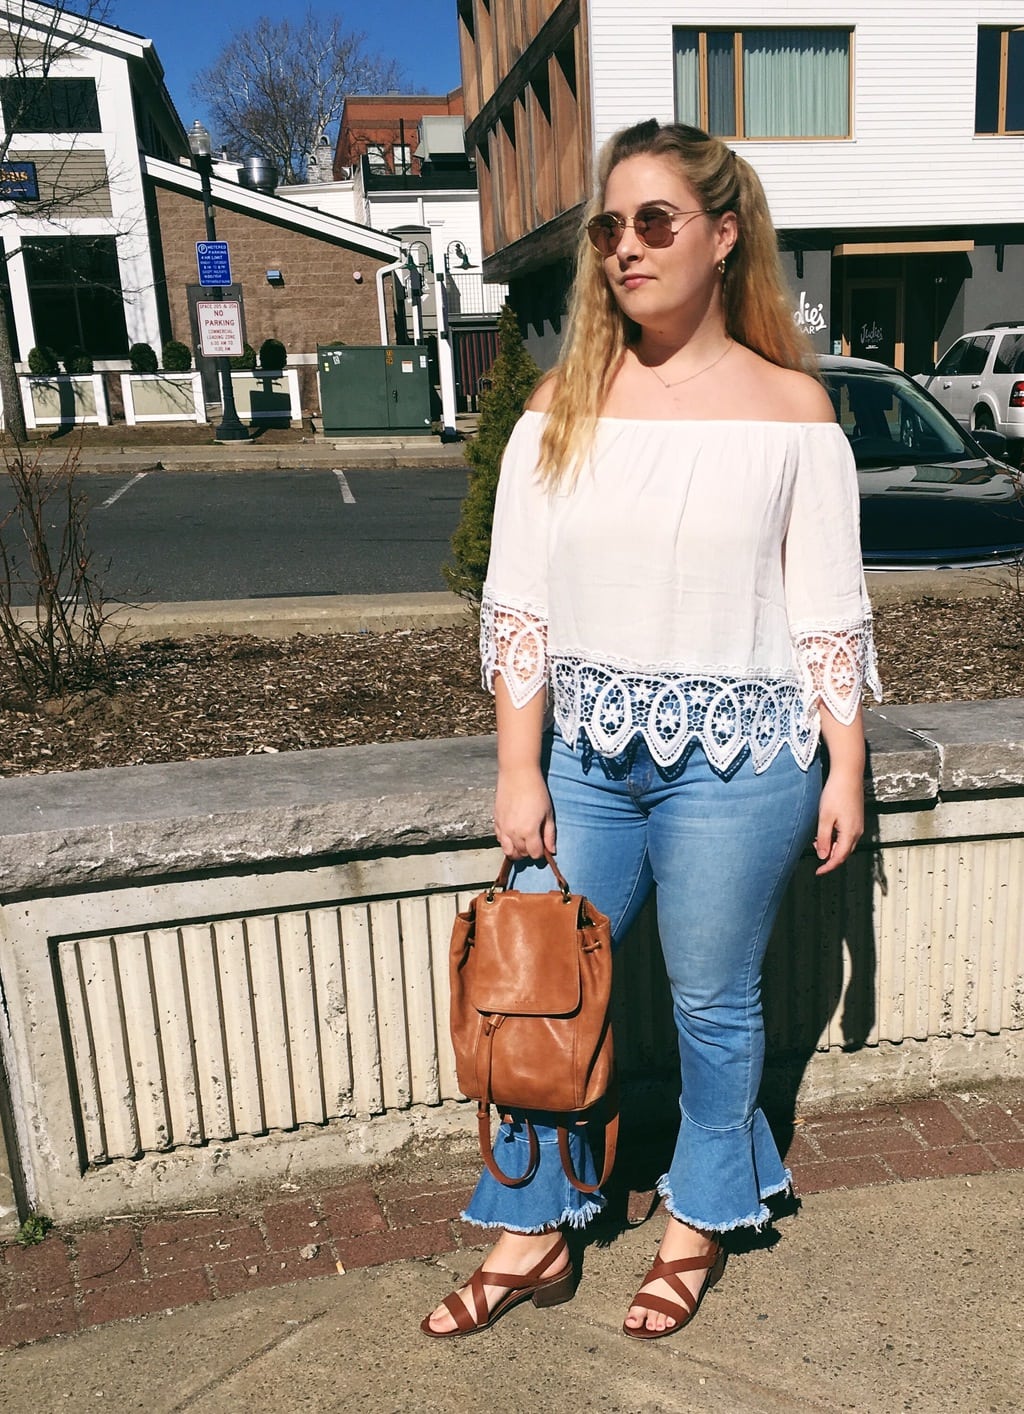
(142, 358)
(273, 354)
(43, 362)
(176, 357)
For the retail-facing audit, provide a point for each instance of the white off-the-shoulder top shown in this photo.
(699, 583)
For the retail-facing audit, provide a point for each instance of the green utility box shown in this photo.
(377, 391)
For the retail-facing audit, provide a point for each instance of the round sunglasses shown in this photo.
(654, 227)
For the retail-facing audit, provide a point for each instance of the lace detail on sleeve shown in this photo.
(836, 664)
(513, 642)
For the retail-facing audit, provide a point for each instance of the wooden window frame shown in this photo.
(1004, 32)
(703, 87)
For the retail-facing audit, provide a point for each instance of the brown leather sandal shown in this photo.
(544, 1291)
(683, 1310)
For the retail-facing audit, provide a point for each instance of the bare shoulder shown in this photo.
(801, 397)
(540, 399)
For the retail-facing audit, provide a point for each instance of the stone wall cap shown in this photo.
(84, 828)
(980, 744)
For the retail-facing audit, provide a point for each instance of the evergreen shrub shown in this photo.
(273, 355)
(142, 358)
(244, 362)
(78, 361)
(43, 362)
(176, 357)
(513, 379)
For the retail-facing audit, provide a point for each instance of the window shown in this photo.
(50, 105)
(402, 158)
(1010, 358)
(975, 355)
(999, 92)
(376, 158)
(764, 83)
(966, 357)
(74, 289)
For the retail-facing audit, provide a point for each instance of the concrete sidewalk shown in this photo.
(895, 1286)
(343, 453)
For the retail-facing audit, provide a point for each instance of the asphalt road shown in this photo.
(233, 535)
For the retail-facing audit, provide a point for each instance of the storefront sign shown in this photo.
(18, 181)
(809, 317)
(220, 327)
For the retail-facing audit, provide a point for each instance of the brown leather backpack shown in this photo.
(531, 979)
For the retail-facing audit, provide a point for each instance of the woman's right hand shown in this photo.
(524, 820)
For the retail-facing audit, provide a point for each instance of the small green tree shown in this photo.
(513, 378)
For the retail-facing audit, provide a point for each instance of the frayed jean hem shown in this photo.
(571, 1217)
(758, 1221)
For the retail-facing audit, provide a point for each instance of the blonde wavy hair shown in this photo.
(757, 302)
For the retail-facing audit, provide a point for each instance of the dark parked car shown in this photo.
(931, 493)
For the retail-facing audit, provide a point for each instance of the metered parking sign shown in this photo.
(220, 327)
(214, 263)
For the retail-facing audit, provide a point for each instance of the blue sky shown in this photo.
(421, 35)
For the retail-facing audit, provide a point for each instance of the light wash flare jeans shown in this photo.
(721, 853)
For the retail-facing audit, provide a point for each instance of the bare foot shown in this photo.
(513, 1253)
(680, 1241)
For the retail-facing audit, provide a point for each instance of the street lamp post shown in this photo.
(416, 269)
(445, 355)
(230, 428)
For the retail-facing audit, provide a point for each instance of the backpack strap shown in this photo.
(483, 1122)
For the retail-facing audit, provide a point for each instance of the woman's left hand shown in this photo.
(840, 819)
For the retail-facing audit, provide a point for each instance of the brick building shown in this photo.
(115, 264)
(304, 277)
(386, 129)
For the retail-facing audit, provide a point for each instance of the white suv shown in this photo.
(980, 380)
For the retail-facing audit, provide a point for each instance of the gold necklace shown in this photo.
(690, 376)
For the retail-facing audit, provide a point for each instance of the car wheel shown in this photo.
(983, 420)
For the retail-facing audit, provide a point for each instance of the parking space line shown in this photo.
(119, 493)
(345, 488)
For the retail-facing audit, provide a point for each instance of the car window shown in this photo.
(1010, 356)
(950, 360)
(976, 355)
(889, 419)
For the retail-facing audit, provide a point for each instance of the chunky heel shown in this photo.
(562, 1289)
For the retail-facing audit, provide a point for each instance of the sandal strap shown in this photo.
(467, 1320)
(662, 1270)
(459, 1312)
(675, 1309)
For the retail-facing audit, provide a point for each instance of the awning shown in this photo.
(901, 247)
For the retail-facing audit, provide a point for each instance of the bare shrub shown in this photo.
(54, 646)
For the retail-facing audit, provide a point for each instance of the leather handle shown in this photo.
(483, 1124)
(501, 882)
(611, 1143)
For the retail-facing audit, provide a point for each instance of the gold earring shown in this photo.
(721, 266)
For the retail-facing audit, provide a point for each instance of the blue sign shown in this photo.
(18, 181)
(214, 263)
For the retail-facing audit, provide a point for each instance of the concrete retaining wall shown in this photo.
(230, 970)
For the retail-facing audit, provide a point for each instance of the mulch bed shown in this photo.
(182, 700)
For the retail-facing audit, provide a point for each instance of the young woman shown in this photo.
(675, 561)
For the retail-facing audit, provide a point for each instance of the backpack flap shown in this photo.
(527, 959)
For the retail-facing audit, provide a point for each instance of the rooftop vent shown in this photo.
(259, 174)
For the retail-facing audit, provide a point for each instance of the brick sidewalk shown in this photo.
(81, 1277)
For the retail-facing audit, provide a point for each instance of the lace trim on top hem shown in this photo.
(728, 718)
(605, 707)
